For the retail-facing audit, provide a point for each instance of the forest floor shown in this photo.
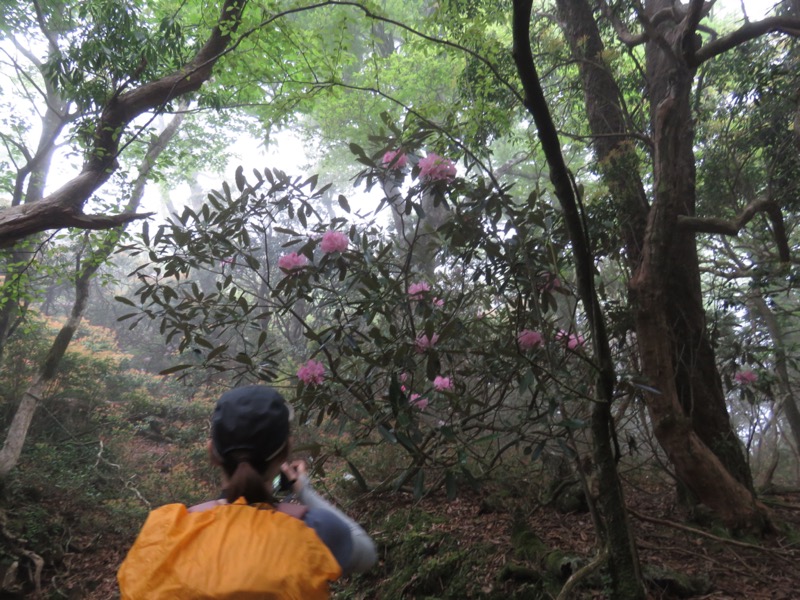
(496, 543)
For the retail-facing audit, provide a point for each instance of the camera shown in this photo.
(282, 483)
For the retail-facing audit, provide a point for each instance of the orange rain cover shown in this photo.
(231, 552)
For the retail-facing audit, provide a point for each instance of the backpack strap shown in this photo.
(207, 505)
(298, 511)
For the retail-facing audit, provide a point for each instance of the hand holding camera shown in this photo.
(291, 476)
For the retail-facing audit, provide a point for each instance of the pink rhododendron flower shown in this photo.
(529, 339)
(334, 241)
(552, 283)
(403, 376)
(311, 373)
(416, 291)
(417, 402)
(548, 281)
(292, 261)
(423, 342)
(435, 168)
(572, 340)
(745, 377)
(399, 158)
(441, 384)
(575, 341)
(403, 389)
(438, 303)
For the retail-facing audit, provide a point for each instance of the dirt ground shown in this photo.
(668, 542)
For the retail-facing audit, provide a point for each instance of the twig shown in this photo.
(129, 485)
(105, 460)
(705, 534)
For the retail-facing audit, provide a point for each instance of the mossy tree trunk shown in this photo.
(626, 578)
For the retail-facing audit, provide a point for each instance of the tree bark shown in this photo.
(689, 413)
(673, 298)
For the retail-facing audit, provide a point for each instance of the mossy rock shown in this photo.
(526, 545)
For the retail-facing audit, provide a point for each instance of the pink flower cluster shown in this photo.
(552, 282)
(572, 340)
(418, 401)
(435, 168)
(292, 262)
(395, 160)
(529, 339)
(334, 241)
(423, 342)
(417, 291)
(745, 377)
(442, 384)
(311, 373)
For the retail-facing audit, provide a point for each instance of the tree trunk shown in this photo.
(18, 431)
(787, 398)
(675, 298)
(626, 578)
(20, 424)
(33, 173)
(688, 411)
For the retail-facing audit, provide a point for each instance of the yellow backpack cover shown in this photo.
(231, 552)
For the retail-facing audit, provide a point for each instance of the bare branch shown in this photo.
(748, 31)
(728, 227)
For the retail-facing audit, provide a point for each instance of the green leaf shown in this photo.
(387, 435)
(216, 352)
(175, 369)
(241, 182)
(362, 484)
(419, 484)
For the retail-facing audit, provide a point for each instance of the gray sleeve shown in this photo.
(333, 532)
(363, 554)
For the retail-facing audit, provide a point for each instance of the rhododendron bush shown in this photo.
(422, 352)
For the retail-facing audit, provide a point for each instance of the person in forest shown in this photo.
(245, 544)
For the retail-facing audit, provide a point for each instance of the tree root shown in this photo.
(578, 576)
(17, 547)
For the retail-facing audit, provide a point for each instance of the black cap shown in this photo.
(254, 418)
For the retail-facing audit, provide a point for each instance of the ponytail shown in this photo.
(245, 481)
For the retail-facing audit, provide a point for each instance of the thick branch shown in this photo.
(732, 227)
(624, 34)
(747, 32)
(63, 208)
